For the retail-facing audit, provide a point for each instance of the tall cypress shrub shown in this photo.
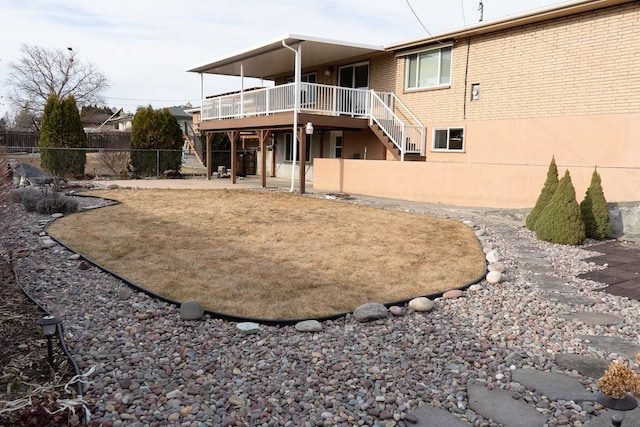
(561, 220)
(547, 192)
(595, 211)
(60, 134)
(154, 130)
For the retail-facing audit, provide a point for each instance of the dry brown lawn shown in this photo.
(272, 255)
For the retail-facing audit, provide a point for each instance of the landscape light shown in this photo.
(49, 325)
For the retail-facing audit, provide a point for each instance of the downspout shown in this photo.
(296, 108)
(466, 75)
(241, 90)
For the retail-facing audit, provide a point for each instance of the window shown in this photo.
(448, 139)
(288, 149)
(338, 152)
(428, 69)
(307, 93)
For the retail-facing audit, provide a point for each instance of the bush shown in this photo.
(45, 200)
(595, 211)
(546, 194)
(561, 220)
(62, 138)
(154, 130)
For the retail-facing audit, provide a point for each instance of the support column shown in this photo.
(208, 137)
(233, 137)
(262, 137)
(302, 137)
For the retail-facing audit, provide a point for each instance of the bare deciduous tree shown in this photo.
(41, 72)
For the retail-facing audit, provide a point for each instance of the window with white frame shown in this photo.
(429, 68)
(448, 139)
(338, 150)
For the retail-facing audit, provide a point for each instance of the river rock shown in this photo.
(370, 311)
(309, 326)
(454, 293)
(421, 304)
(191, 310)
(494, 277)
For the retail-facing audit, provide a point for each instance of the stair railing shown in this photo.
(408, 138)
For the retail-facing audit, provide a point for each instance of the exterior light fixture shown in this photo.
(49, 325)
(309, 128)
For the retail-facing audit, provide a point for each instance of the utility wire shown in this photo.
(416, 15)
(464, 21)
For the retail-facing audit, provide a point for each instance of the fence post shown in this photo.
(100, 163)
(157, 163)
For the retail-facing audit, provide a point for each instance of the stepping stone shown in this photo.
(613, 345)
(589, 366)
(500, 406)
(631, 419)
(535, 261)
(429, 416)
(554, 386)
(570, 299)
(594, 319)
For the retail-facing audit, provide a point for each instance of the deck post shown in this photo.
(208, 137)
(233, 137)
(262, 136)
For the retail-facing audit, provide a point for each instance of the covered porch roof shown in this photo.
(274, 59)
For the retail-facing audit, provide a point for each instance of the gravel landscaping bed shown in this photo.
(154, 369)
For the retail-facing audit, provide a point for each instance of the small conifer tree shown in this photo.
(547, 192)
(61, 135)
(561, 220)
(156, 138)
(595, 211)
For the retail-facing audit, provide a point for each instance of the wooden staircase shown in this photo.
(388, 143)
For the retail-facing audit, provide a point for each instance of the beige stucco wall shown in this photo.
(476, 185)
(496, 174)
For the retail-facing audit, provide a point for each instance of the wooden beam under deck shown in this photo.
(284, 121)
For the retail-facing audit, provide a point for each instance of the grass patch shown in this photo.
(272, 255)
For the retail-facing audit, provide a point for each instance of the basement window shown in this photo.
(448, 139)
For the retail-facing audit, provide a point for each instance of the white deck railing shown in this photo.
(314, 98)
(402, 127)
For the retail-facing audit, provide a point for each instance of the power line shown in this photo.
(145, 99)
(464, 21)
(414, 14)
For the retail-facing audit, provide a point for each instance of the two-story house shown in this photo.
(468, 117)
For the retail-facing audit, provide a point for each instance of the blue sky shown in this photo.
(145, 46)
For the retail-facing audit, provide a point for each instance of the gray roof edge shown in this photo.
(289, 39)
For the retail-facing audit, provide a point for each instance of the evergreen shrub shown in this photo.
(595, 211)
(154, 130)
(547, 192)
(561, 220)
(62, 139)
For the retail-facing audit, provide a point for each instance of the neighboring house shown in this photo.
(120, 121)
(468, 117)
(95, 122)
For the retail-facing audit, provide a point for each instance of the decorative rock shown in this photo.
(124, 294)
(469, 223)
(248, 327)
(191, 310)
(236, 401)
(475, 287)
(421, 304)
(492, 256)
(480, 232)
(370, 311)
(57, 215)
(454, 293)
(83, 265)
(496, 266)
(396, 311)
(74, 257)
(309, 326)
(494, 277)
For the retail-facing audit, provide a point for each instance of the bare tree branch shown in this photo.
(41, 71)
